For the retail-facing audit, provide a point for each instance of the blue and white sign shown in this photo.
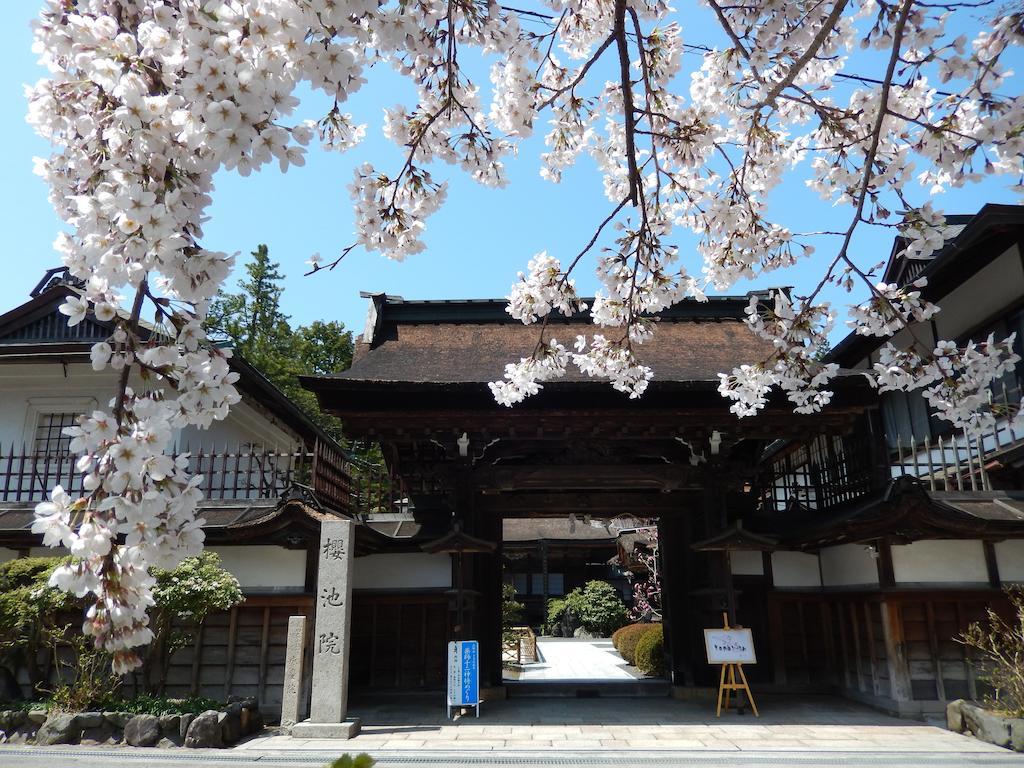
(464, 674)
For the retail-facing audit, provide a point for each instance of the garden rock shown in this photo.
(170, 726)
(58, 729)
(142, 731)
(89, 719)
(1017, 734)
(955, 716)
(184, 723)
(580, 632)
(105, 733)
(231, 723)
(117, 719)
(37, 716)
(205, 731)
(986, 725)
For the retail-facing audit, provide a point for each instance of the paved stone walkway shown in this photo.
(576, 659)
(791, 724)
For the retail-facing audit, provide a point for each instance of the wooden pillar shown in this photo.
(677, 615)
(896, 652)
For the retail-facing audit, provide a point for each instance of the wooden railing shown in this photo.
(339, 481)
(519, 645)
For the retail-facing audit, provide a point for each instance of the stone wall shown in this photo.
(212, 728)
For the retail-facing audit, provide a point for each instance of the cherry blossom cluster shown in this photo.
(798, 335)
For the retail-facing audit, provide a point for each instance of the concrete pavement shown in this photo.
(804, 732)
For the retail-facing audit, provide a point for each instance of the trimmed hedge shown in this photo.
(630, 637)
(650, 652)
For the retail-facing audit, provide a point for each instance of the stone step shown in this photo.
(588, 689)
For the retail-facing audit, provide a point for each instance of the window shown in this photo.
(49, 437)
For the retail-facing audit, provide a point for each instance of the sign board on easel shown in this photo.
(463, 675)
(729, 646)
(732, 648)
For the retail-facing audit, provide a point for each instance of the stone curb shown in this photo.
(210, 729)
(985, 725)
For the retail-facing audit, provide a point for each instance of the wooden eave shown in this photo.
(736, 537)
(458, 541)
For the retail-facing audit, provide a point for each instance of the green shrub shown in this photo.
(629, 637)
(617, 634)
(598, 607)
(556, 610)
(361, 760)
(650, 652)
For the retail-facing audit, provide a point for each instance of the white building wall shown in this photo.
(27, 389)
(848, 565)
(415, 570)
(940, 562)
(994, 287)
(1010, 560)
(746, 563)
(7, 554)
(264, 568)
(795, 569)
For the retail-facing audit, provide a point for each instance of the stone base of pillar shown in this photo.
(308, 730)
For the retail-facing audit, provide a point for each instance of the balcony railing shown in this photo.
(338, 481)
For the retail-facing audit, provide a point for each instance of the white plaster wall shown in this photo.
(28, 388)
(413, 570)
(746, 563)
(993, 287)
(1010, 560)
(264, 567)
(848, 565)
(795, 569)
(47, 551)
(7, 554)
(940, 561)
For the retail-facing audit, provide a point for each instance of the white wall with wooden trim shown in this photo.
(998, 284)
(1010, 560)
(746, 563)
(848, 565)
(410, 570)
(795, 569)
(940, 561)
(263, 567)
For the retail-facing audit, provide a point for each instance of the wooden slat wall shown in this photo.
(839, 639)
(240, 652)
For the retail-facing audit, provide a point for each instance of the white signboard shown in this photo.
(729, 646)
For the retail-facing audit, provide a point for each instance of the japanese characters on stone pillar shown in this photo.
(329, 699)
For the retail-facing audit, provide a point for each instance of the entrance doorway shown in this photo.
(574, 588)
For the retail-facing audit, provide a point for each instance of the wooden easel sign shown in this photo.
(732, 648)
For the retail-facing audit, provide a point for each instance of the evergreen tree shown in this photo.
(252, 322)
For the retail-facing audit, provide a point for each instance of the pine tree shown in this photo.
(252, 322)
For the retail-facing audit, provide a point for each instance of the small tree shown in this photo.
(184, 597)
(598, 607)
(1001, 646)
(28, 619)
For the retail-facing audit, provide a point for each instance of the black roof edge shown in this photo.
(987, 219)
(391, 308)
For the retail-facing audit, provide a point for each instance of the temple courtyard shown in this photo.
(412, 730)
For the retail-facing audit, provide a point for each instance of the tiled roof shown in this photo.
(553, 529)
(452, 352)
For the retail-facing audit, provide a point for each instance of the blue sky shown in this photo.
(475, 244)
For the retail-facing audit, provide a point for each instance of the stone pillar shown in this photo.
(333, 600)
(295, 652)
